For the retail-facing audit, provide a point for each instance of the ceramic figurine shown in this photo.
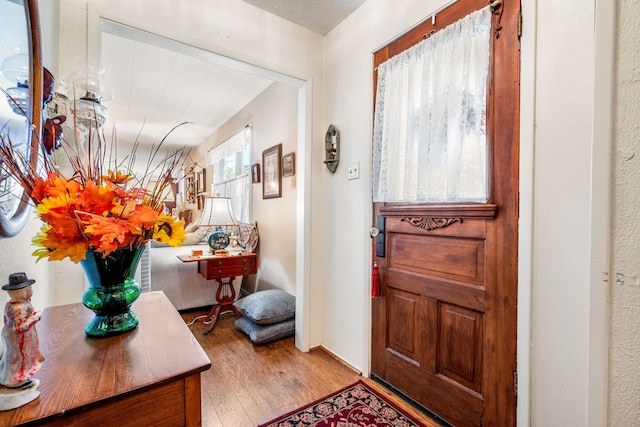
(20, 357)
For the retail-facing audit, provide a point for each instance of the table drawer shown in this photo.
(231, 261)
(219, 268)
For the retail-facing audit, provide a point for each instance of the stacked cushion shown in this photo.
(267, 307)
(263, 334)
(267, 315)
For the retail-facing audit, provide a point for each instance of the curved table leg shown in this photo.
(225, 297)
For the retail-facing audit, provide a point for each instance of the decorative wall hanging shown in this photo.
(190, 188)
(332, 148)
(201, 178)
(289, 165)
(255, 173)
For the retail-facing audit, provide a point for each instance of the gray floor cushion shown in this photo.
(267, 307)
(262, 334)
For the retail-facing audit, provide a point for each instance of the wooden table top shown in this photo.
(206, 257)
(79, 370)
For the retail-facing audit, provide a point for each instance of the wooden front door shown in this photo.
(444, 326)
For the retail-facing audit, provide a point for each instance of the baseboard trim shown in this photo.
(337, 358)
(192, 309)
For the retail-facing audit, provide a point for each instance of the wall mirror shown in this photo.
(20, 77)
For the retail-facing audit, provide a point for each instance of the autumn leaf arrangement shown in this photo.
(88, 200)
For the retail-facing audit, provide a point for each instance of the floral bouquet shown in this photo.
(99, 205)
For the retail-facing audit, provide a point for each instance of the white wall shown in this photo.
(274, 117)
(563, 115)
(275, 120)
(15, 256)
(624, 386)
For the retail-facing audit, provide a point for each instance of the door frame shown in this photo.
(600, 211)
(98, 16)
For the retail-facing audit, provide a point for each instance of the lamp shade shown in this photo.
(217, 212)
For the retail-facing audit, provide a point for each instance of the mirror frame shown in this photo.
(11, 226)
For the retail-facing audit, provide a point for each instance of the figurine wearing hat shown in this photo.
(21, 357)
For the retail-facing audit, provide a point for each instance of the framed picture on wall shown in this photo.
(289, 165)
(200, 181)
(255, 173)
(190, 188)
(272, 172)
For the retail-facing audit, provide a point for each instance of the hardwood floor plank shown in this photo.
(250, 384)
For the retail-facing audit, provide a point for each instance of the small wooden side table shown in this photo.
(149, 376)
(224, 269)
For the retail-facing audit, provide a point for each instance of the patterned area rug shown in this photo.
(354, 406)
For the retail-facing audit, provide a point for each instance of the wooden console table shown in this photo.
(224, 269)
(149, 376)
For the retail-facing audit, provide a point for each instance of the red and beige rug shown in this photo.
(354, 406)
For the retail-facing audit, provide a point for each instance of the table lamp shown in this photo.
(217, 213)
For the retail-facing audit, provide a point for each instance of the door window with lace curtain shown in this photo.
(430, 136)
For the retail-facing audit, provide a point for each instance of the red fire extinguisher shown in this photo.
(375, 281)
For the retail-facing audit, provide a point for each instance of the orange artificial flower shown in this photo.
(54, 186)
(117, 177)
(90, 210)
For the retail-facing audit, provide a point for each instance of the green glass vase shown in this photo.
(112, 290)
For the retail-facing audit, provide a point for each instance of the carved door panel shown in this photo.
(429, 323)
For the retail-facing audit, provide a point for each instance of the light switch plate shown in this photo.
(353, 170)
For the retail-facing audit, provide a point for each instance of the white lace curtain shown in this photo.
(239, 142)
(238, 190)
(236, 184)
(429, 142)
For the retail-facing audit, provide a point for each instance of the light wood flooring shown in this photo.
(251, 384)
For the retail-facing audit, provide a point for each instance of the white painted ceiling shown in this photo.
(317, 15)
(154, 88)
(161, 83)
